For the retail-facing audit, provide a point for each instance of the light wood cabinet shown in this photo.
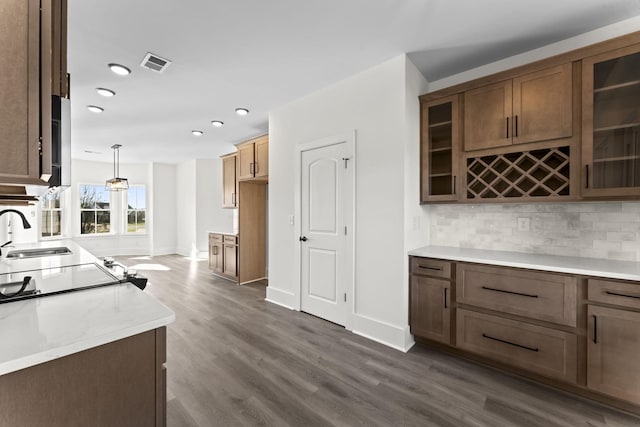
(215, 253)
(223, 255)
(253, 159)
(439, 145)
(32, 35)
(611, 123)
(612, 352)
(229, 182)
(529, 108)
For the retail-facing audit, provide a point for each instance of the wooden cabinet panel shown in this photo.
(544, 351)
(532, 107)
(439, 147)
(612, 352)
(261, 151)
(20, 89)
(487, 111)
(611, 123)
(615, 293)
(215, 258)
(245, 161)
(430, 308)
(431, 267)
(542, 296)
(230, 260)
(542, 105)
(229, 190)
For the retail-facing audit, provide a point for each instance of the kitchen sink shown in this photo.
(39, 252)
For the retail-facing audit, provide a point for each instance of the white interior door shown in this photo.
(326, 242)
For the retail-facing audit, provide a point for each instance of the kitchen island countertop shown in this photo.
(37, 330)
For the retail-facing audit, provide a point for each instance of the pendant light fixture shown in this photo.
(116, 183)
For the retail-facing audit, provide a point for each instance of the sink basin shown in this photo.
(39, 252)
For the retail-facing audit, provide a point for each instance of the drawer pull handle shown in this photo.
(509, 292)
(510, 343)
(426, 267)
(621, 295)
(595, 329)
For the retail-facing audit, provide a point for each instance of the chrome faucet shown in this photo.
(25, 223)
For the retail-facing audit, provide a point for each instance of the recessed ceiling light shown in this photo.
(197, 132)
(242, 111)
(105, 92)
(217, 123)
(121, 70)
(95, 109)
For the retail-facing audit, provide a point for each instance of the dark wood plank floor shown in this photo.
(236, 360)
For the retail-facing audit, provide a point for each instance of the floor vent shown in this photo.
(155, 63)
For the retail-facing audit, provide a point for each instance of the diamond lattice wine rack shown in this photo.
(536, 173)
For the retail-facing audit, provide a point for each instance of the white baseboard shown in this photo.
(164, 251)
(280, 297)
(392, 336)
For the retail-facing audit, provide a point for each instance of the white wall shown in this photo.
(375, 104)
(199, 206)
(163, 201)
(606, 230)
(186, 209)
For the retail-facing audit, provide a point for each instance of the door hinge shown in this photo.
(345, 297)
(346, 160)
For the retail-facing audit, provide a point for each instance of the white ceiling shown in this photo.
(261, 54)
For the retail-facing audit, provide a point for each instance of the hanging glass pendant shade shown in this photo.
(116, 183)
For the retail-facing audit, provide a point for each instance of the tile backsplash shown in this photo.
(609, 230)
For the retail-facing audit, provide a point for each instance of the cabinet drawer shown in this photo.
(215, 238)
(543, 351)
(542, 296)
(617, 293)
(230, 239)
(431, 267)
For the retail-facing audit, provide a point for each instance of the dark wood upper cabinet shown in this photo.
(611, 123)
(528, 108)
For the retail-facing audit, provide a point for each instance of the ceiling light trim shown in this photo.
(120, 70)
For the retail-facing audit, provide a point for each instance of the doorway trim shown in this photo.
(350, 139)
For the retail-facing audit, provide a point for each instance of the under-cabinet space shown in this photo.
(544, 351)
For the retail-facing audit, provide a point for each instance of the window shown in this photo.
(136, 212)
(95, 216)
(51, 216)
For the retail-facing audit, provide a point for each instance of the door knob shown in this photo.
(303, 239)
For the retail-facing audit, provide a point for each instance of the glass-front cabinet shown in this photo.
(439, 145)
(611, 123)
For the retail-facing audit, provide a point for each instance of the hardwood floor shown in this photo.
(235, 360)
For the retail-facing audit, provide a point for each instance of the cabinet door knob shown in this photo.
(303, 238)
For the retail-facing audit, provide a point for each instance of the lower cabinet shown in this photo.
(223, 255)
(575, 332)
(122, 383)
(430, 308)
(613, 339)
(545, 351)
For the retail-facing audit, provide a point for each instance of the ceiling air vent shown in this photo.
(155, 63)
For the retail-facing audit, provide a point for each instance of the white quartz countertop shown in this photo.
(77, 256)
(624, 270)
(37, 330)
(228, 233)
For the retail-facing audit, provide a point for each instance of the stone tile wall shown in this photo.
(609, 230)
